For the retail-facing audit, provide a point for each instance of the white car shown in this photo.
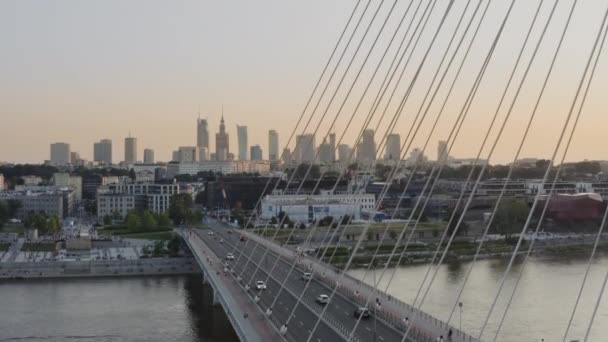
(210, 233)
(221, 240)
(306, 276)
(322, 299)
(229, 256)
(260, 285)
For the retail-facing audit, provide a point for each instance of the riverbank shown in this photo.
(98, 268)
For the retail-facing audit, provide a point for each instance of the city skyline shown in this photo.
(94, 94)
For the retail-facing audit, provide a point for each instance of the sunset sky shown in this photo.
(79, 71)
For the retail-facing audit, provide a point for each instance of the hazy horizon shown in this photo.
(78, 72)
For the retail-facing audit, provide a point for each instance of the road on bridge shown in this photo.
(340, 311)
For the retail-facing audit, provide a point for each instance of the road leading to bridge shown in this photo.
(340, 313)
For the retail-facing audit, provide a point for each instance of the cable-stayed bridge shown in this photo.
(428, 69)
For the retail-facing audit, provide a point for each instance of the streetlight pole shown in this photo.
(460, 306)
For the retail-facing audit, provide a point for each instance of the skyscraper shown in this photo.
(202, 133)
(130, 150)
(366, 151)
(222, 142)
(332, 143)
(344, 152)
(241, 134)
(442, 150)
(60, 154)
(256, 152)
(325, 153)
(393, 147)
(148, 156)
(305, 148)
(273, 145)
(102, 151)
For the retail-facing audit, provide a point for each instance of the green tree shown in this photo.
(41, 223)
(163, 221)
(273, 220)
(54, 224)
(173, 245)
(179, 208)
(392, 234)
(148, 222)
(510, 216)
(159, 249)
(326, 221)
(132, 175)
(107, 220)
(13, 206)
(132, 220)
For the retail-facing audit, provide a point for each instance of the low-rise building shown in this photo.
(116, 200)
(225, 167)
(47, 199)
(310, 208)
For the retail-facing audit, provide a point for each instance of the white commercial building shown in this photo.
(309, 208)
(60, 154)
(225, 167)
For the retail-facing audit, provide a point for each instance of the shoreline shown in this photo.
(97, 268)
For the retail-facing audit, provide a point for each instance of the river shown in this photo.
(111, 309)
(540, 309)
(179, 308)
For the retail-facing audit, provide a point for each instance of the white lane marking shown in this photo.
(380, 337)
(302, 324)
(368, 329)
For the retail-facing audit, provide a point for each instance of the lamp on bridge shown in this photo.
(268, 312)
(460, 306)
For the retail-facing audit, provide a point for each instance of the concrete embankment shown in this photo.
(98, 268)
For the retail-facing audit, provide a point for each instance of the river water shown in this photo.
(179, 308)
(541, 307)
(111, 309)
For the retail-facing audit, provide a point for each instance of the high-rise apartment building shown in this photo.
(273, 145)
(287, 156)
(186, 154)
(305, 148)
(148, 156)
(256, 153)
(325, 153)
(442, 151)
(222, 143)
(344, 152)
(202, 133)
(241, 134)
(393, 147)
(366, 151)
(332, 143)
(102, 151)
(60, 154)
(74, 157)
(130, 150)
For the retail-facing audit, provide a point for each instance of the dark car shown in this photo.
(362, 312)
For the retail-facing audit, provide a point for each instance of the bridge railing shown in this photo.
(393, 311)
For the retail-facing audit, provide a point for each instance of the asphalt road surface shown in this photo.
(340, 311)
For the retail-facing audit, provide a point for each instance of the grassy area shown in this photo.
(164, 235)
(38, 247)
(13, 228)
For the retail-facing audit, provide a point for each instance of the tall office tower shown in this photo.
(187, 154)
(393, 147)
(148, 156)
(1, 182)
(287, 157)
(305, 148)
(202, 134)
(417, 156)
(130, 150)
(332, 143)
(325, 152)
(344, 152)
(60, 154)
(442, 150)
(203, 153)
(222, 143)
(366, 151)
(241, 134)
(102, 151)
(74, 157)
(273, 145)
(256, 153)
